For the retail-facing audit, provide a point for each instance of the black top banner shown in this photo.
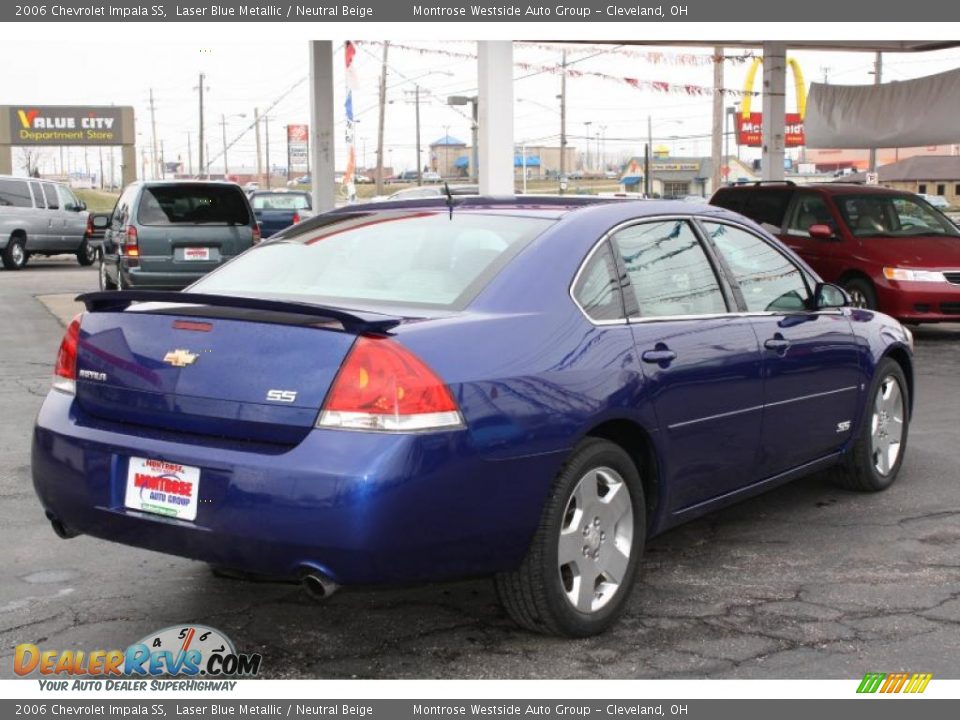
(478, 11)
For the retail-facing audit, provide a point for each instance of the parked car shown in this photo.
(166, 234)
(276, 210)
(431, 177)
(890, 250)
(362, 179)
(528, 389)
(251, 187)
(40, 217)
(432, 191)
(938, 201)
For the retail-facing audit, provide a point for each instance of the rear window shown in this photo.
(403, 258)
(767, 206)
(193, 205)
(15, 193)
(280, 201)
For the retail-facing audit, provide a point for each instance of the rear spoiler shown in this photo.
(352, 321)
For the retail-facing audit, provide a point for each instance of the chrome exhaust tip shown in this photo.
(317, 585)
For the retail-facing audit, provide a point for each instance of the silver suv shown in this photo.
(40, 217)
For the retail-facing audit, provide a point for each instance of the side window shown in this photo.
(37, 193)
(809, 210)
(669, 271)
(769, 281)
(729, 199)
(50, 193)
(14, 193)
(68, 201)
(596, 289)
(767, 206)
(922, 188)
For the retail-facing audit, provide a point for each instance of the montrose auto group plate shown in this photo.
(162, 488)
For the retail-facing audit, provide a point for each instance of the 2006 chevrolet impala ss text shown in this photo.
(522, 388)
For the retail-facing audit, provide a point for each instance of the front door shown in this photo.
(810, 358)
(700, 362)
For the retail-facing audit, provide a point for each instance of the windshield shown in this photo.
(189, 204)
(281, 201)
(404, 258)
(892, 216)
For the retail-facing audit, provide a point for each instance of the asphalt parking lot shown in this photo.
(805, 582)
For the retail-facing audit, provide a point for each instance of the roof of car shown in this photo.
(829, 188)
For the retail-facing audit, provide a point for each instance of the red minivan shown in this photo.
(891, 250)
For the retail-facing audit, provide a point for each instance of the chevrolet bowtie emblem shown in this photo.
(180, 358)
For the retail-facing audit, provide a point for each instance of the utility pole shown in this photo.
(256, 123)
(563, 120)
(475, 140)
(646, 157)
(416, 101)
(877, 71)
(163, 165)
(716, 147)
(153, 132)
(586, 132)
(223, 129)
(100, 151)
(189, 155)
(200, 142)
(266, 142)
(383, 109)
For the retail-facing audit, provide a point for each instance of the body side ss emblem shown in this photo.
(287, 396)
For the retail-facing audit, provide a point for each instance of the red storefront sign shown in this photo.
(750, 130)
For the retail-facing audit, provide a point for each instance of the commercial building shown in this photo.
(676, 177)
(930, 175)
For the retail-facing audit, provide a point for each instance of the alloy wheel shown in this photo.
(886, 429)
(593, 550)
(17, 254)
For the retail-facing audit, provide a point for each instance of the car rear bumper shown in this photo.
(920, 302)
(360, 507)
(137, 277)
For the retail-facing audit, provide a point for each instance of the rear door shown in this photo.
(39, 233)
(191, 227)
(701, 362)
(810, 358)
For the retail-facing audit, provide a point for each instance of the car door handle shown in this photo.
(660, 355)
(777, 343)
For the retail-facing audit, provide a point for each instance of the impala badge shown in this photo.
(180, 358)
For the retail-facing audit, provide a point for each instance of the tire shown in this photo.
(86, 254)
(105, 282)
(865, 468)
(14, 256)
(549, 596)
(861, 292)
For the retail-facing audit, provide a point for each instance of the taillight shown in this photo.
(65, 371)
(90, 230)
(256, 233)
(296, 218)
(382, 386)
(131, 243)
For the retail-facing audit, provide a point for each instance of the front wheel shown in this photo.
(874, 461)
(861, 292)
(576, 577)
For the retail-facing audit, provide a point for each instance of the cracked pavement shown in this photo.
(805, 581)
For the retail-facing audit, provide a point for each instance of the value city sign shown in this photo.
(66, 125)
(750, 124)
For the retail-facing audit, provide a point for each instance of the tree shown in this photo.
(30, 161)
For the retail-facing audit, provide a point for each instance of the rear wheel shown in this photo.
(874, 461)
(86, 254)
(861, 292)
(14, 256)
(582, 562)
(105, 282)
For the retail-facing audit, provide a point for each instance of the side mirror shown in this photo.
(821, 231)
(828, 295)
(101, 222)
(80, 206)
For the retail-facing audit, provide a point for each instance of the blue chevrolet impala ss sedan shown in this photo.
(526, 388)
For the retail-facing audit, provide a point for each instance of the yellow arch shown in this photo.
(798, 84)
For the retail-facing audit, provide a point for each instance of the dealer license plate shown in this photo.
(196, 253)
(163, 488)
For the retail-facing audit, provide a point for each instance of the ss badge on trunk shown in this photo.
(287, 396)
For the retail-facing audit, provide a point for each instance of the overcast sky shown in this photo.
(241, 76)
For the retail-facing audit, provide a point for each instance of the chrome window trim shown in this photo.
(636, 319)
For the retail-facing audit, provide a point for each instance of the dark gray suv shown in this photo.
(164, 235)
